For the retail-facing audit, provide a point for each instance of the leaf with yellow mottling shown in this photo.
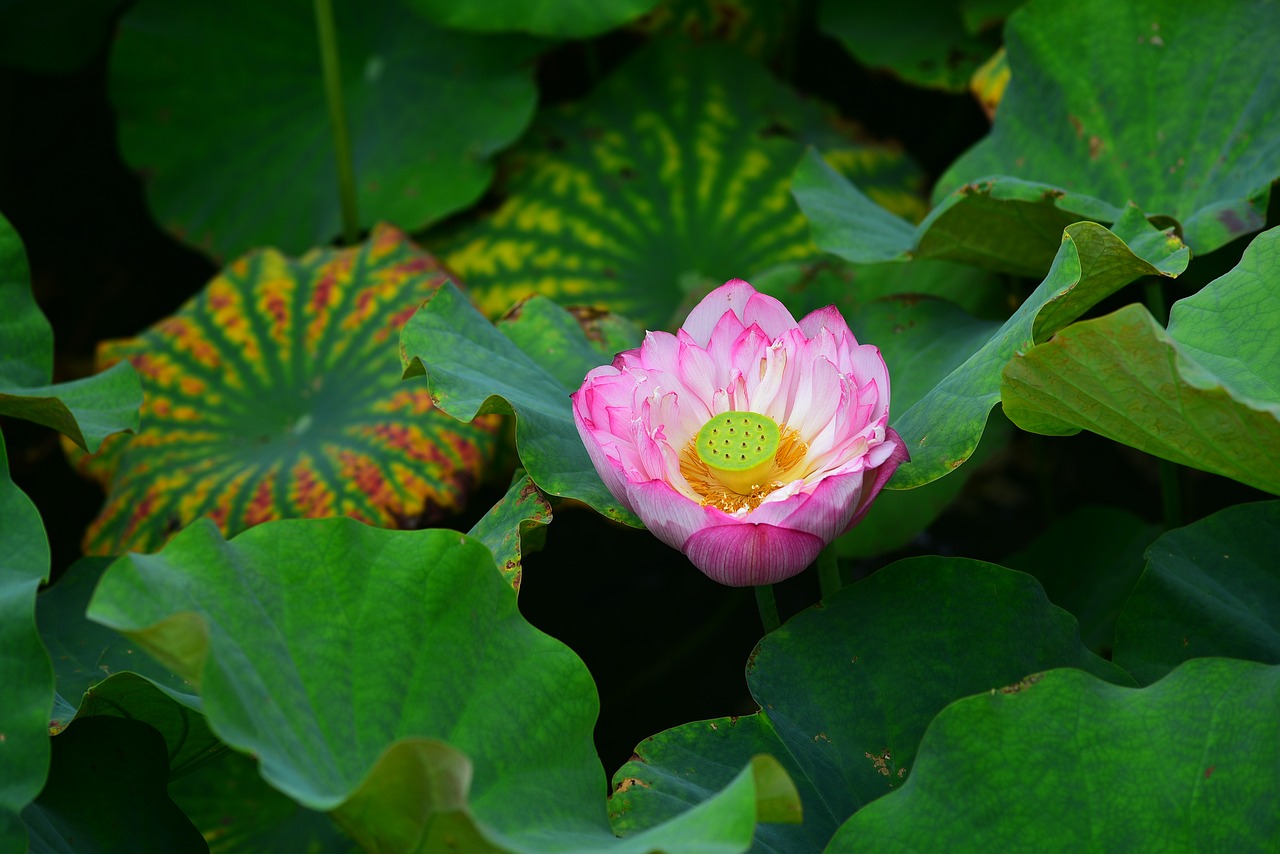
(276, 393)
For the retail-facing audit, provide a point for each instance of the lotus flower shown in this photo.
(746, 440)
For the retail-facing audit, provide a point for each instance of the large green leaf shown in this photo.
(1088, 562)
(1205, 394)
(388, 677)
(474, 369)
(927, 42)
(1204, 154)
(554, 18)
(669, 179)
(275, 392)
(240, 154)
(847, 689)
(106, 792)
(1210, 589)
(1064, 762)
(24, 664)
(943, 428)
(86, 410)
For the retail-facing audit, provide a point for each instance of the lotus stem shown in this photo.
(768, 607)
(328, 38)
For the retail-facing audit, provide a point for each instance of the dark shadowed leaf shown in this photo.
(106, 792)
(1088, 562)
(276, 392)
(1065, 762)
(1210, 589)
(240, 154)
(848, 687)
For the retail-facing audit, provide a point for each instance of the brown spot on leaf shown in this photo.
(1095, 147)
(628, 782)
(1075, 123)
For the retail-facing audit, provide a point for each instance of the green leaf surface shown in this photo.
(670, 178)
(759, 28)
(515, 526)
(1209, 589)
(485, 733)
(1204, 155)
(106, 792)
(943, 428)
(552, 18)
(85, 410)
(239, 155)
(926, 43)
(1089, 562)
(1000, 223)
(236, 811)
(275, 393)
(474, 369)
(24, 664)
(1205, 394)
(1065, 762)
(848, 687)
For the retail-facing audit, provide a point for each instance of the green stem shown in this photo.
(828, 571)
(768, 607)
(328, 38)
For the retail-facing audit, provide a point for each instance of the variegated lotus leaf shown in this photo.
(669, 179)
(276, 393)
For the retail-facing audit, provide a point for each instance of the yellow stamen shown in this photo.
(732, 493)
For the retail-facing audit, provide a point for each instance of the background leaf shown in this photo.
(1209, 589)
(927, 43)
(1089, 562)
(474, 369)
(554, 18)
(106, 792)
(1212, 403)
(240, 155)
(1086, 744)
(848, 687)
(1205, 154)
(670, 178)
(514, 526)
(275, 392)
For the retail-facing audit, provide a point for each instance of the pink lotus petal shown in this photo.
(750, 554)
(828, 318)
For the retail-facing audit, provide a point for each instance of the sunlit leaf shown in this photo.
(1204, 154)
(847, 689)
(472, 368)
(1062, 761)
(1209, 589)
(668, 180)
(1205, 394)
(388, 677)
(239, 154)
(553, 18)
(276, 393)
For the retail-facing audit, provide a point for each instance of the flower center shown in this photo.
(738, 458)
(739, 448)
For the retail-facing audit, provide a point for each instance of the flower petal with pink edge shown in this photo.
(749, 554)
(672, 516)
(880, 475)
(746, 302)
(828, 318)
